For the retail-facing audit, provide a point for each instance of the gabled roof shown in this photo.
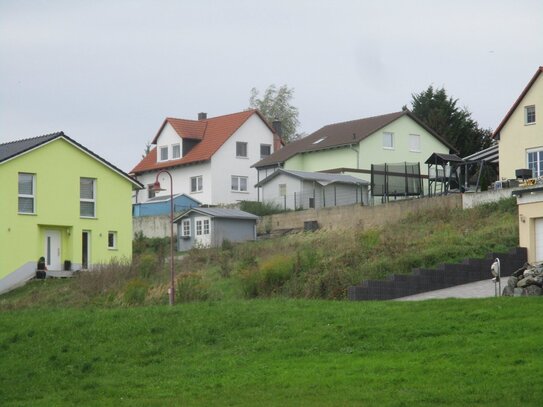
(13, 149)
(212, 133)
(166, 198)
(322, 178)
(517, 102)
(440, 158)
(218, 213)
(340, 135)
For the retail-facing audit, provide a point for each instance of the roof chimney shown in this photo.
(202, 116)
(277, 127)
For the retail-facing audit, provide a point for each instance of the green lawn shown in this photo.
(275, 352)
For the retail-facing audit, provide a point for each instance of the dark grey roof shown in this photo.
(341, 134)
(321, 177)
(219, 213)
(490, 155)
(441, 158)
(14, 148)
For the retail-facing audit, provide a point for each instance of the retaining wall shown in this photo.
(153, 226)
(445, 275)
(364, 217)
(470, 200)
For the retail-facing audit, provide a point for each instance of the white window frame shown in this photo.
(239, 144)
(414, 143)
(27, 196)
(235, 184)
(207, 227)
(114, 234)
(385, 137)
(162, 149)
(529, 111)
(265, 155)
(93, 199)
(185, 227)
(282, 189)
(199, 183)
(199, 227)
(537, 169)
(174, 156)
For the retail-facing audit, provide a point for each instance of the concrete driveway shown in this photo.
(478, 289)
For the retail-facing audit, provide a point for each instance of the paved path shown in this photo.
(478, 289)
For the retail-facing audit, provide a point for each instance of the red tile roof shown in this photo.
(212, 132)
(517, 102)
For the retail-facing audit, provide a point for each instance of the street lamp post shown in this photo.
(157, 188)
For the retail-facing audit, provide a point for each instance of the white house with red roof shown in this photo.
(210, 158)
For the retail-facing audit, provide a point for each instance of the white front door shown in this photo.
(202, 226)
(52, 249)
(539, 239)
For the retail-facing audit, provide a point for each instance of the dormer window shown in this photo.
(176, 151)
(164, 153)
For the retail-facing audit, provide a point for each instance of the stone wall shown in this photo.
(153, 226)
(364, 217)
(470, 200)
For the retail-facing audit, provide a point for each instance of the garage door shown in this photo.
(539, 239)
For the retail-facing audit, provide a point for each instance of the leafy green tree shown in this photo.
(275, 104)
(442, 114)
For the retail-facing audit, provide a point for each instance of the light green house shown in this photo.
(352, 147)
(61, 201)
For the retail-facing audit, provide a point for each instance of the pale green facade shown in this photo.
(371, 151)
(57, 167)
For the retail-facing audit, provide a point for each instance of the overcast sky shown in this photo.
(107, 73)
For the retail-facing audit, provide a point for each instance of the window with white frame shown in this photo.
(198, 228)
(241, 149)
(535, 162)
(282, 189)
(196, 184)
(239, 184)
(150, 191)
(388, 140)
(206, 226)
(529, 114)
(185, 227)
(164, 153)
(87, 197)
(111, 240)
(27, 196)
(265, 150)
(176, 151)
(414, 143)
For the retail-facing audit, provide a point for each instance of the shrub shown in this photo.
(260, 208)
(192, 287)
(148, 265)
(135, 292)
(269, 278)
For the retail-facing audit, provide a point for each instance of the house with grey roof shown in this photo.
(209, 227)
(291, 189)
(352, 147)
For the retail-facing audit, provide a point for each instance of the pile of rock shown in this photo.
(527, 280)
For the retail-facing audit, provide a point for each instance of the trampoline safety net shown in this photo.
(398, 179)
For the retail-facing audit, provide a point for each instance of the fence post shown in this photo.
(295, 206)
(285, 199)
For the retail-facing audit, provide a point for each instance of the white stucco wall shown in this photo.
(270, 191)
(181, 182)
(168, 137)
(224, 162)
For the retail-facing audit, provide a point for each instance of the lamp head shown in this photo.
(156, 187)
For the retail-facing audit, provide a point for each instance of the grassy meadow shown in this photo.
(275, 352)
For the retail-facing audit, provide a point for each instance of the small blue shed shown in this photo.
(209, 227)
(160, 205)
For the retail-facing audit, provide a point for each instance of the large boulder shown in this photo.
(532, 290)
